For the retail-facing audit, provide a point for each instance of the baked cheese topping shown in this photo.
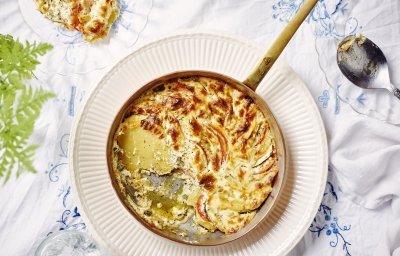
(93, 18)
(195, 150)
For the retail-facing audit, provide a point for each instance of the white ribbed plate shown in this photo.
(109, 221)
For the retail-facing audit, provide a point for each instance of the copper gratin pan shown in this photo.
(248, 87)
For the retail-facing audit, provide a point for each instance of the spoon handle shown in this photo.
(396, 92)
(279, 45)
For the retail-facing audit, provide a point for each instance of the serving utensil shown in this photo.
(364, 64)
(248, 86)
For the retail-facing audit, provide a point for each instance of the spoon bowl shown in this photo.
(364, 64)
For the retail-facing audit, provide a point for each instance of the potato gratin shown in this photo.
(197, 152)
(93, 18)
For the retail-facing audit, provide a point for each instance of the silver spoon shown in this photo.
(364, 64)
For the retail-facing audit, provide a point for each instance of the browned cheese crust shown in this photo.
(207, 134)
(93, 18)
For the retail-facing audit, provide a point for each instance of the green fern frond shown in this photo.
(18, 58)
(20, 104)
(30, 104)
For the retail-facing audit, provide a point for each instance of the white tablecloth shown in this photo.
(360, 210)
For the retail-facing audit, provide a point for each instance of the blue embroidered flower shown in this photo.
(70, 219)
(361, 98)
(70, 216)
(323, 15)
(324, 98)
(284, 10)
(340, 7)
(65, 219)
(326, 222)
(76, 213)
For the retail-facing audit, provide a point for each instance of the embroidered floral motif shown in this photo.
(70, 217)
(326, 223)
(65, 197)
(284, 10)
(361, 98)
(54, 171)
(324, 98)
(340, 7)
(322, 16)
(64, 145)
(65, 225)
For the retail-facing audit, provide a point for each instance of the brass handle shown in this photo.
(280, 43)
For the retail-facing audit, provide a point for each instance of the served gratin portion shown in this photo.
(93, 18)
(194, 152)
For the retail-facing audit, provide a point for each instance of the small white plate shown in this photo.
(77, 55)
(289, 100)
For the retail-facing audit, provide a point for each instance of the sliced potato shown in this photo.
(143, 149)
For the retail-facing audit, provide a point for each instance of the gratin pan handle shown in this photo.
(279, 45)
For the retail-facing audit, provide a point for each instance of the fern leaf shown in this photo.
(30, 104)
(20, 104)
